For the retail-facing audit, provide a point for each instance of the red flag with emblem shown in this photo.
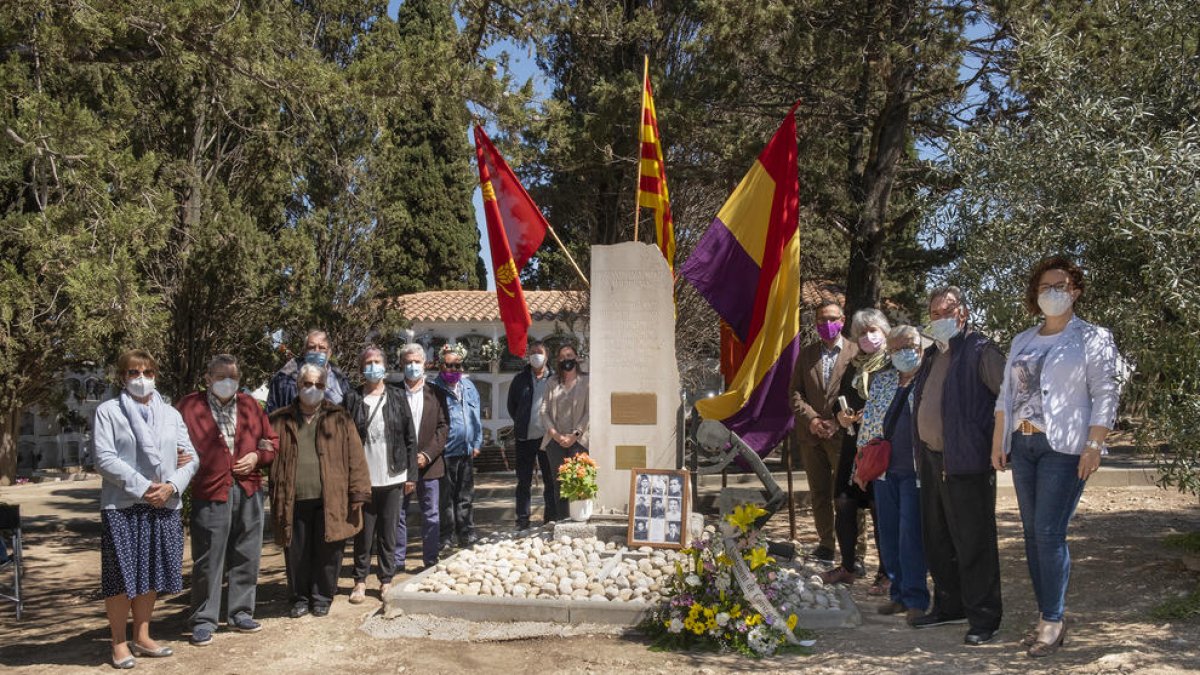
(516, 228)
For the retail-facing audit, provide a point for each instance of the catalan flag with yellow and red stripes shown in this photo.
(652, 183)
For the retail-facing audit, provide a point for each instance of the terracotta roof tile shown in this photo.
(448, 306)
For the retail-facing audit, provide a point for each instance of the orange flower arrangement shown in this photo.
(577, 478)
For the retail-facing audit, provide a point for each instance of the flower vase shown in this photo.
(581, 509)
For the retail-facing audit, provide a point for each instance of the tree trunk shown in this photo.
(9, 415)
(889, 143)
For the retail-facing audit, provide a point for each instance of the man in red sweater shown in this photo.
(234, 440)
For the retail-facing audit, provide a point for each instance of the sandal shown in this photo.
(880, 586)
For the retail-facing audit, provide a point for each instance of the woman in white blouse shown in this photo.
(1055, 409)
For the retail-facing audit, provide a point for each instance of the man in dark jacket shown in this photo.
(428, 407)
(281, 391)
(385, 425)
(524, 403)
(234, 440)
(954, 396)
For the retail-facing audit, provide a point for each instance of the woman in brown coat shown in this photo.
(319, 484)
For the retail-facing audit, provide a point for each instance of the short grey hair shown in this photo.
(412, 348)
(221, 360)
(368, 350)
(316, 331)
(865, 318)
(321, 371)
(905, 333)
(942, 291)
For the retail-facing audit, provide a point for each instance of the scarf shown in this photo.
(146, 434)
(864, 366)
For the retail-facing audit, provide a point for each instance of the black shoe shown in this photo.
(823, 554)
(860, 570)
(298, 610)
(936, 619)
(470, 540)
(320, 610)
(522, 526)
(978, 636)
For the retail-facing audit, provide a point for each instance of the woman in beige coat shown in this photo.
(565, 414)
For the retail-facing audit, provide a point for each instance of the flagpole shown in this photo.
(569, 256)
(637, 188)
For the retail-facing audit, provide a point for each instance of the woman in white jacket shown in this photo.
(1055, 409)
(146, 459)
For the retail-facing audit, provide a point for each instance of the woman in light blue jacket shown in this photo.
(146, 459)
(1055, 409)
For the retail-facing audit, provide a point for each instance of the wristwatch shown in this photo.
(1094, 445)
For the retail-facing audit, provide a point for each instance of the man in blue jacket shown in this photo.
(954, 396)
(457, 491)
(281, 391)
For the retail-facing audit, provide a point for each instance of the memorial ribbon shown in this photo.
(754, 593)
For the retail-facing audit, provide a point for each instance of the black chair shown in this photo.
(10, 535)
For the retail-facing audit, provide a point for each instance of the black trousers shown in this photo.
(849, 502)
(528, 454)
(313, 564)
(380, 516)
(457, 494)
(958, 526)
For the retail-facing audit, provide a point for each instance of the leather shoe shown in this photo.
(838, 575)
(1040, 649)
(978, 636)
(298, 611)
(159, 653)
(822, 554)
(320, 610)
(936, 619)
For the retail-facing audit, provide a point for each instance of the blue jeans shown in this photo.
(1048, 489)
(427, 495)
(898, 512)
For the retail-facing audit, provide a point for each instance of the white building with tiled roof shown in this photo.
(472, 318)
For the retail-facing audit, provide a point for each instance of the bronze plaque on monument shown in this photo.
(630, 408)
(630, 457)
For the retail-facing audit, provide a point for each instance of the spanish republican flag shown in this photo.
(516, 228)
(652, 177)
(747, 265)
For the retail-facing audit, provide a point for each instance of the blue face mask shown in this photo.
(413, 371)
(943, 330)
(374, 372)
(316, 358)
(906, 360)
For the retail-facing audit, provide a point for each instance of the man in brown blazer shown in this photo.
(428, 406)
(815, 385)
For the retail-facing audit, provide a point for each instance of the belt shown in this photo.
(1029, 428)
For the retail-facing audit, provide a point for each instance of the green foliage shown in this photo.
(1188, 542)
(1102, 168)
(1183, 608)
(197, 177)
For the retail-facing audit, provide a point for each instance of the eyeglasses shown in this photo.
(135, 372)
(318, 385)
(452, 366)
(1062, 287)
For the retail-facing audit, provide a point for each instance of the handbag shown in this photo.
(872, 459)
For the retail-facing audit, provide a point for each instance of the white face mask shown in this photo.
(140, 386)
(537, 361)
(1055, 302)
(311, 396)
(224, 388)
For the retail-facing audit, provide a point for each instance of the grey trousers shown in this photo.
(226, 539)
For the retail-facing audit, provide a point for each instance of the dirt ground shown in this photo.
(1120, 571)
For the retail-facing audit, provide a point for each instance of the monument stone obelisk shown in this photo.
(634, 380)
